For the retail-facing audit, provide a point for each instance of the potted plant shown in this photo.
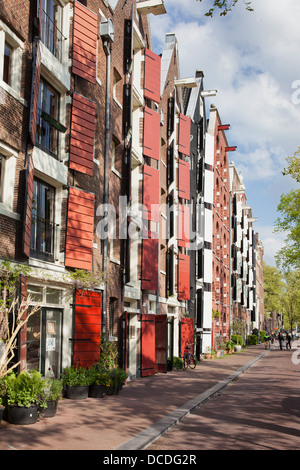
(207, 354)
(229, 346)
(23, 392)
(76, 381)
(100, 380)
(49, 398)
(118, 376)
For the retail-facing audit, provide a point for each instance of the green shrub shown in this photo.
(24, 389)
(237, 339)
(177, 362)
(76, 376)
(252, 340)
(262, 334)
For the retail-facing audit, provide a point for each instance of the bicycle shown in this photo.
(189, 359)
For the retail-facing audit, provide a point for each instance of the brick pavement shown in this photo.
(113, 422)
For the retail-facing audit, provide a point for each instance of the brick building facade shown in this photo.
(100, 180)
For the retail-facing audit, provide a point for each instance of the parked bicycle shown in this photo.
(189, 359)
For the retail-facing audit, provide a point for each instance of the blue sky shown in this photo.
(252, 59)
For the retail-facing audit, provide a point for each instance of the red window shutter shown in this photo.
(161, 343)
(84, 42)
(151, 193)
(82, 134)
(35, 86)
(184, 179)
(148, 345)
(152, 76)
(183, 277)
(28, 207)
(150, 264)
(183, 226)
(184, 134)
(186, 333)
(87, 328)
(80, 226)
(151, 133)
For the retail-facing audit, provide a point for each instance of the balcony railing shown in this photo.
(47, 133)
(52, 37)
(43, 235)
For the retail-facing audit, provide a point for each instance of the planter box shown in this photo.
(77, 392)
(22, 415)
(50, 411)
(2, 409)
(97, 391)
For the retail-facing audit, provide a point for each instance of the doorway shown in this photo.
(44, 342)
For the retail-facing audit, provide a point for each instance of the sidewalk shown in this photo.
(142, 411)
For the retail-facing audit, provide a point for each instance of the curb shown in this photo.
(145, 438)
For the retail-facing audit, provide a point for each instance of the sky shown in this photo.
(252, 59)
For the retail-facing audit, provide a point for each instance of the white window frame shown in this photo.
(6, 35)
(8, 181)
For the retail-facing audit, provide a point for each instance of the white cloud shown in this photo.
(272, 242)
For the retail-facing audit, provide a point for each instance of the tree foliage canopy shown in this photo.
(288, 221)
(273, 288)
(225, 6)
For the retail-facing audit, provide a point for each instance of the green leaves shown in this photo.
(288, 221)
(225, 6)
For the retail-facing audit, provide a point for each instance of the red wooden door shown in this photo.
(161, 343)
(147, 345)
(186, 333)
(87, 328)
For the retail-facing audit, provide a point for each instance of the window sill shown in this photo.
(4, 210)
(12, 92)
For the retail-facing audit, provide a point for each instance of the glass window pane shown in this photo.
(33, 341)
(53, 296)
(7, 63)
(35, 292)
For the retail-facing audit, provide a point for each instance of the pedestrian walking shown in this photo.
(267, 341)
(280, 339)
(288, 341)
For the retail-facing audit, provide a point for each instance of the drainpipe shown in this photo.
(107, 49)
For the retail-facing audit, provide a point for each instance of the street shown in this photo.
(258, 411)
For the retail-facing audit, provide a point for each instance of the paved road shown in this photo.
(258, 411)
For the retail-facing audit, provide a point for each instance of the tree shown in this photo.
(290, 299)
(289, 220)
(273, 288)
(14, 313)
(225, 6)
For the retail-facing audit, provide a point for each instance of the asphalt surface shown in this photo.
(248, 400)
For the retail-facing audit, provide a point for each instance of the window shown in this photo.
(11, 48)
(8, 159)
(117, 88)
(1, 175)
(7, 63)
(117, 156)
(48, 126)
(51, 34)
(42, 221)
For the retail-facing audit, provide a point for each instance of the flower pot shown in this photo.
(77, 392)
(97, 391)
(113, 390)
(22, 415)
(2, 408)
(51, 409)
(237, 348)
(207, 356)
